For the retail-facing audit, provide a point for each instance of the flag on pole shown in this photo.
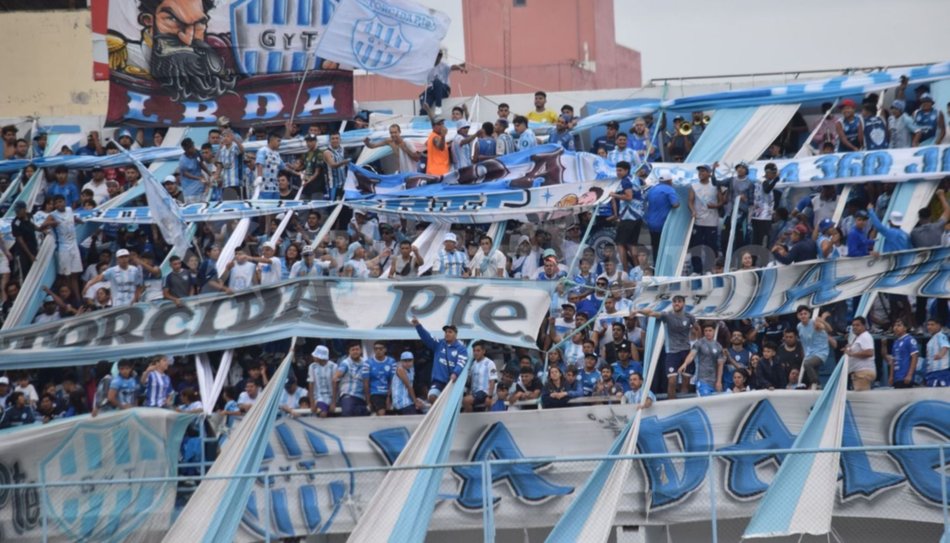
(801, 498)
(164, 208)
(395, 38)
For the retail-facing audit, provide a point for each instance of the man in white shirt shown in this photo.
(125, 281)
(240, 271)
(486, 262)
(484, 378)
(100, 192)
(269, 268)
(859, 355)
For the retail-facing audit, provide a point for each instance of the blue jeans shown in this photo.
(435, 93)
(351, 406)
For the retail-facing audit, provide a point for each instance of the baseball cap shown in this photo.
(624, 346)
(548, 253)
(170, 179)
(307, 250)
(704, 167)
(438, 120)
(576, 291)
(613, 124)
(464, 125)
(847, 102)
(825, 224)
(450, 327)
(568, 304)
(4, 380)
(406, 355)
(121, 252)
(678, 118)
(321, 352)
(123, 134)
(926, 97)
(48, 299)
(450, 237)
(565, 118)
(39, 135)
(896, 218)
(310, 137)
(96, 169)
(523, 239)
(801, 229)
(899, 105)
(269, 245)
(20, 204)
(861, 214)
(645, 166)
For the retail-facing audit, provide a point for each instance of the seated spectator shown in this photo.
(607, 387)
(635, 392)
(555, 392)
(801, 247)
(17, 413)
(740, 378)
(528, 387)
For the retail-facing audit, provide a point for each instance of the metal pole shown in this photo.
(44, 519)
(266, 508)
(203, 437)
(943, 493)
(488, 512)
(712, 500)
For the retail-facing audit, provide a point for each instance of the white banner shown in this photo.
(747, 294)
(900, 485)
(136, 444)
(502, 311)
(395, 38)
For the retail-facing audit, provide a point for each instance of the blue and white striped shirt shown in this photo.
(338, 174)
(451, 264)
(484, 372)
(934, 345)
(354, 372)
(322, 379)
(401, 397)
(230, 174)
(157, 387)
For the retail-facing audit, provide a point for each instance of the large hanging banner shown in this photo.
(900, 485)
(217, 211)
(749, 294)
(188, 62)
(885, 165)
(481, 204)
(502, 311)
(79, 452)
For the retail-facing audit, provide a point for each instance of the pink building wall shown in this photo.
(520, 49)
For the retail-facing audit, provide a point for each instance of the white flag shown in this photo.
(396, 38)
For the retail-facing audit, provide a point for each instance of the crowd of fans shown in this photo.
(593, 344)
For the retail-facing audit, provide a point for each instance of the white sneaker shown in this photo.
(438, 111)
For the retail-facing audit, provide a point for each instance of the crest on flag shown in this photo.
(379, 45)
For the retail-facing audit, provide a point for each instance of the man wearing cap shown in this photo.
(849, 128)
(738, 187)
(524, 136)
(607, 142)
(628, 211)
(309, 266)
(484, 379)
(803, 247)
(269, 267)
(124, 137)
(704, 203)
(451, 261)
(895, 239)
(437, 149)
(930, 126)
(4, 392)
(900, 126)
(125, 280)
(826, 246)
(624, 366)
(171, 185)
(661, 199)
(404, 397)
(449, 357)
(320, 382)
(857, 239)
(764, 197)
(550, 271)
(98, 186)
(462, 146)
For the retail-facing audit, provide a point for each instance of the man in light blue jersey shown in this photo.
(320, 382)
(814, 338)
(158, 386)
(381, 369)
(351, 381)
(524, 136)
(484, 378)
(937, 370)
(404, 397)
(461, 146)
(123, 388)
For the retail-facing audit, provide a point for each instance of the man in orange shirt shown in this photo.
(437, 162)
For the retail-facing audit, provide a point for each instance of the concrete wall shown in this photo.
(47, 65)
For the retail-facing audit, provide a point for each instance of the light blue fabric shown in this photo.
(719, 134)
(785, 494)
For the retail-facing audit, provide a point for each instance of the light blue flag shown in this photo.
(801, 497)
(395, 38)
(165, 210)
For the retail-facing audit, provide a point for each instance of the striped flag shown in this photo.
(801, 498)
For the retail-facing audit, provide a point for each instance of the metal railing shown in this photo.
(575, 466)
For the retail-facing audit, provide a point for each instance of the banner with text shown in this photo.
(900, 485)
(188, 63)
(749, 294)
(502, 311)
(76, 452)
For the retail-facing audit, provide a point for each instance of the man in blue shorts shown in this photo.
(679, 325)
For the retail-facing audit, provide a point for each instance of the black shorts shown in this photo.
(673, 361)
(628, 232)
(377, 402)
(479, 399)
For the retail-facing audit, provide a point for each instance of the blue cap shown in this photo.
(825, 224)
(123, 134)
(899, 105)
(704, 167)
(406, 355)
(645, 166)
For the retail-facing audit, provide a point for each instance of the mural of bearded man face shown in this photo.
(182, 60)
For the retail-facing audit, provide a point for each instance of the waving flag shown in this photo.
(164, 209)
(396, 38)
